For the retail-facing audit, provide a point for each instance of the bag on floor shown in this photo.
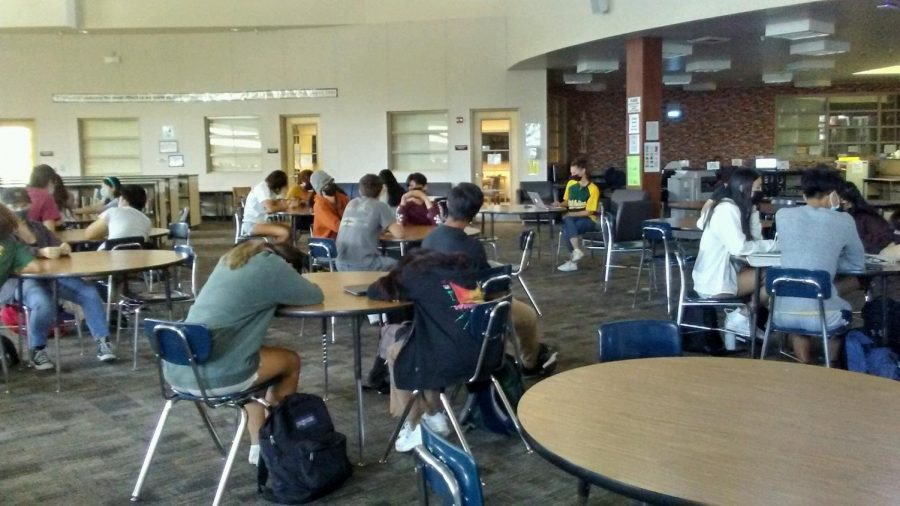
(874, 322)
(864, 356)
(11, 316)
(302, 457)
(486, 408)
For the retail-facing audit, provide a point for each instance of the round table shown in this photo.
(721, 431)
(551, 212)
(687, 205)
(98, 263)
(76, 236)
(296, 217)
(338, 302)
(416, 234)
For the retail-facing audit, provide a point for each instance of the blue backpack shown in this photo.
(863, 356)
(300, 452)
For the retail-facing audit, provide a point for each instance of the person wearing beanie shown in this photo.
(329, 205)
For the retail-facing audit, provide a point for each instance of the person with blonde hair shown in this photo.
(239, 324)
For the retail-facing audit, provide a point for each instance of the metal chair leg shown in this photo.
(511, 412)
(235, 443)
(136, 493)
(325, 353)
(403, 417)
(530, 296)
(637, 284)
(445, 401)
(80, 334)
(5, 367)
(137, 327)
(210, 428)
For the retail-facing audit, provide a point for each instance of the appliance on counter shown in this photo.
(690, 185)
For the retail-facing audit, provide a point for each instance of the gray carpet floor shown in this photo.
(85, 445)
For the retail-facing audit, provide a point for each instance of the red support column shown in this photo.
(643, 78)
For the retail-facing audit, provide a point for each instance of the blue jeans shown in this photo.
(38, 296)
(574, 226)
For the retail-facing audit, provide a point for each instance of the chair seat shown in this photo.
(224, 399)
(628, 246)
(693, 297)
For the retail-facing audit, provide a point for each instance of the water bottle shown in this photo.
(399, 216)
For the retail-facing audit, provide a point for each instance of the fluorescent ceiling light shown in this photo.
(883, 71)
(573, 78)
(589, 66)
(671, 49)
(676, 79)
(807, 65)
(812, 83)
(777, 77)
(707, 86)
(592, 87)
(712, 65)
(799, 29)
(819, 47)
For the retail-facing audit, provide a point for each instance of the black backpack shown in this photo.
(874, 322)
(300, 452)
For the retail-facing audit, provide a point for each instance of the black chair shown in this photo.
(447, 470)
(183, 344)
(626, 340)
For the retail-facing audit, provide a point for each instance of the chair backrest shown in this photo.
(180, 231)
(489, 322)
(619, 196)
(450, 472)
(322, 251)
(135, 242)
(630, 216)
(526, 244)
(179, 343)
(803, 283)
(238, 195)
(627, 340)
(184, 215)
(655, 231)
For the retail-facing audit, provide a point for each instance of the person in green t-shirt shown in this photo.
(14, 256)
(582, 198)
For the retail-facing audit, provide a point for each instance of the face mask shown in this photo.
(834, 201)
(104, 192)
(756, 197)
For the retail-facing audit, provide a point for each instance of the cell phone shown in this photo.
(358, 290)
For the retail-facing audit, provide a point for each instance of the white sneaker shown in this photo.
(408, 438)
(438, 422)
(737, 322)
(577, 255)
(568, 267)
(254, 455)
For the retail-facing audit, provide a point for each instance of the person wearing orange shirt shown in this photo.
(328, 208)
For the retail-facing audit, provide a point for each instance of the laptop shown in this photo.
(537, 200)
(358, 290)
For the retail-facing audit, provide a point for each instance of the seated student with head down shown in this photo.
(37, 294)
(817, 237)
(359, 236)
(582, 198)
(463, 204)
(264, 199)
(731, 227)
(123, 220)
(329, 206)
(239, 323)
(416, 207)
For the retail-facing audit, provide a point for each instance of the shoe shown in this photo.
(438, 422)
(104, 351)
(737, 322)
(253, 457)
(568, 267)
(40, 360)
(546, 363)
(577, 255)
(408, 438)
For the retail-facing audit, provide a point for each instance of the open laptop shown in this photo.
(537, 200)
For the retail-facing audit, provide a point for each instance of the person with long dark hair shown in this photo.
(876, 234)
(40, 191)
(731, 227)
(392, 191)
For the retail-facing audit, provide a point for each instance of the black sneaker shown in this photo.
(40, 360)
(546, 363)
(104, 352)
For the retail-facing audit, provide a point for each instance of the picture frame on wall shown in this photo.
(168, 147)
(176, 160)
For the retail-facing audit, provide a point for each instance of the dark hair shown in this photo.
(60, 194)
(134, 195)
(820, 181)
(370, 186)
(895, 220)
(739, 191)
(290, 254)
(330, 189)
(8, 222)
(394, 190)
(114, 183)
(464, 201)
(15, 197)
(581, 162)
(276, 180)
(418, 177)
(851, 193)
(41, 176)
(419, 260)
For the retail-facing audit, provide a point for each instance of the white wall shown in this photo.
(457, 65)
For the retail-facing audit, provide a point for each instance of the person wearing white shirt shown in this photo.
(124, 220)
(265, 198)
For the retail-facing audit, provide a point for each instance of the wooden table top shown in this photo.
(338, 302)
(76, 236)
(417, 233)
(722, 430)
(94, 263)
(520, 209)
(690, 205)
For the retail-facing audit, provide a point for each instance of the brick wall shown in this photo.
(730, 123)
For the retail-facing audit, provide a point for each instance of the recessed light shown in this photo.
(777, 77)
(819, 47)
(83, 32)
(711, 65)
(799, 29)
(809, 64)
(235, 29)
(676, 79)
(883, 71)
(574, 78)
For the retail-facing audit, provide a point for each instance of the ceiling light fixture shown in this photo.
(813, 83)
(819, 47)
(591, 66)
(777, 77)
(883, 71)
(799, 29)
(573, 78)
(809, 65)
(706, 86)
(676, 79)
(711, 65)
(672, 49)
(592, 87)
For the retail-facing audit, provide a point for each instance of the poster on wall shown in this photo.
(653, 130)
(634, 104)
(634, 123)
(633, 166)
(651, 157)
(634, 144)
(533, 135)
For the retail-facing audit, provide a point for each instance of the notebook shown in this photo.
(537, 200)
(357, 290)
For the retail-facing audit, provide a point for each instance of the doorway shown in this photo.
(299, 144)
(18, 148)
(495, 154)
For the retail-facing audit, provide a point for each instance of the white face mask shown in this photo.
(834, 201)
(104, 192)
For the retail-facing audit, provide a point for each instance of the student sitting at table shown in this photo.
(239, 323)
(358, 238)
(876, 233)
(264, 199)
(300, 195)
(416, 207)
(40, 190)
(109, 196)
(329, 205)
(731, 227)
(123, 220)
(37, 294)
(582, 198)
(817, 237)
(463, 204)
